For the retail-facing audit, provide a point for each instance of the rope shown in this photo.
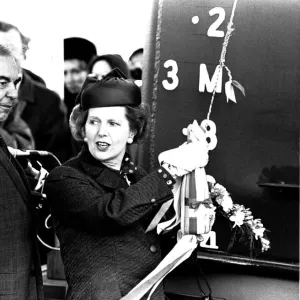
(152, 158)
(46, 222)
(47, 219)
(222, 56)
(42, 242)
(46, 245)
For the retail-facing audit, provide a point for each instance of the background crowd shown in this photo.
(40, 117)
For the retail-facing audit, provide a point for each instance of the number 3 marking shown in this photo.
(171, 74)
(213, 28)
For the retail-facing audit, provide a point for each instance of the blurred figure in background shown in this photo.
(39, 107)
(103, 64)
(13, 37)
(135, 65)
(77, 54)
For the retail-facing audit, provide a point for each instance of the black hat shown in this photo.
(114, 89)
(79, 48)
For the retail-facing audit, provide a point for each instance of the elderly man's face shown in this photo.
(9, 78)
(75, 75)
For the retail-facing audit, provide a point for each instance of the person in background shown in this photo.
(77, 54)
(102, 202)
(135, 65)
(102, 64)
(39, 107)
(20, 268)
(20, 48)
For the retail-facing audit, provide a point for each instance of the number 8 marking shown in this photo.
(210, 133)
(171, 74)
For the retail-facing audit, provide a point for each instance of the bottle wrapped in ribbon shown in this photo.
(197, 209)
(192, 204)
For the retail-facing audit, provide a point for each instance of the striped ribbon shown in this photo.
(194, 210)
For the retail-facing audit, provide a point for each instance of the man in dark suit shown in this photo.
(20, 269)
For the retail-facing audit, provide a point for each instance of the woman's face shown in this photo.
(101, 68)
(106, 133)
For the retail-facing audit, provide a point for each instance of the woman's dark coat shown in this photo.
(101, 222)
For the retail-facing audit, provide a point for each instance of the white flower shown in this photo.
(238, 218)
(265, 244)
(219, 188)
(210, 179)
(257, 222)
(227, 203)
(259, 232)
(238, 213)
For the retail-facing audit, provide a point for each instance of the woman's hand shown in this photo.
(194, 133)
(190, 155)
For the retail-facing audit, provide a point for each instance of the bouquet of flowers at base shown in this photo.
(245, 228)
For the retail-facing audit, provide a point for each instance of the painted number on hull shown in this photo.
(211, 238)
(171, 74)
(213, 28)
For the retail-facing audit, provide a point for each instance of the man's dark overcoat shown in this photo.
(45, 114)
(100, 222)
(20, 269)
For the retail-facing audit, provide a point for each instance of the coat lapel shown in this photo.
(101, 174)
(20, 185)
(107, 177)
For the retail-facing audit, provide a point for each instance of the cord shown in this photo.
(46, 245)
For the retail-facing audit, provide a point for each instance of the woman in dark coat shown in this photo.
(100, 65)
(101, 202)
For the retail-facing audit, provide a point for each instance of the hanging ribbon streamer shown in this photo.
(229, 91)
(182, 250)
(193, 210)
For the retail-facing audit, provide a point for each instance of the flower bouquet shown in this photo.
(246, 230)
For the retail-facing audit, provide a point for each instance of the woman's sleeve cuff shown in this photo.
(170, 181)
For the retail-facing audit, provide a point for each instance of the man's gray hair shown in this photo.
(5, 27)
(8, 51)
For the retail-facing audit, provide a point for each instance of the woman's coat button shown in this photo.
(153, 249)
